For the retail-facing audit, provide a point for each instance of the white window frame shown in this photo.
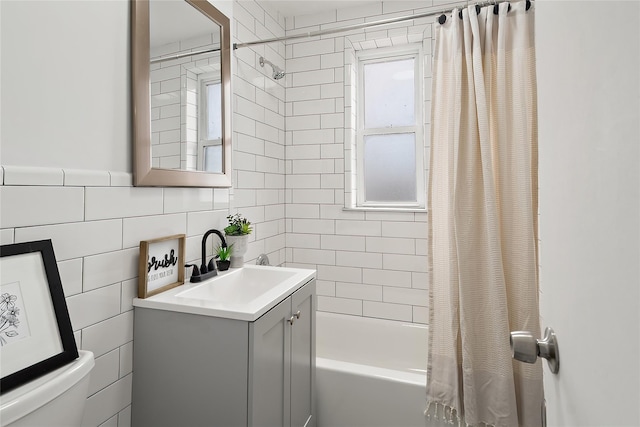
(203, 123)
(386, 55)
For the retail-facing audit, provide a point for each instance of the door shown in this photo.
(303, 357)
(588, 56)
(269, 368)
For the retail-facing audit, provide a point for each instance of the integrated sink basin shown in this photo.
(239, 287)
(244, 294)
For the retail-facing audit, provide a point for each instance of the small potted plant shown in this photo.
(223, 253)
(237, 234)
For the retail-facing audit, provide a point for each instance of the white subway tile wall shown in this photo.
(259, 130)
(96, 229)
(366, 260)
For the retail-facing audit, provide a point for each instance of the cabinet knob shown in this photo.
(294, 317)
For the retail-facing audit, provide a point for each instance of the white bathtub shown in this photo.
(370, 372)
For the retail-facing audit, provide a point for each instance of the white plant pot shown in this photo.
(238, 250)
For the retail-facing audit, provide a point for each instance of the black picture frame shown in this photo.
(52, 352)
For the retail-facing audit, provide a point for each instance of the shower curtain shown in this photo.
(483, 207)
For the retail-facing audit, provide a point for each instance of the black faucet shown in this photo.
(206, 271)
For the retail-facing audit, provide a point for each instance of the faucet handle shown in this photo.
(195, 271)
(211, 266)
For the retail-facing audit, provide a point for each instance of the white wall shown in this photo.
(65, 85)
(589, 114)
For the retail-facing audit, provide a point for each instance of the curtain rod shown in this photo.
(439, 11)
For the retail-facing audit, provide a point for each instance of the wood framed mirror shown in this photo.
(181, 81)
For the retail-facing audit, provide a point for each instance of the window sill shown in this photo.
(383, 209)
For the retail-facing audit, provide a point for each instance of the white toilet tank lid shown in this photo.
(37, 393)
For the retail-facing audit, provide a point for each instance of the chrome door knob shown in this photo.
(526, 348)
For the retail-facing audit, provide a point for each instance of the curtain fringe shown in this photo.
(449, 415)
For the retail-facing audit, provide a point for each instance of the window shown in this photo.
(210, 125)
(389, 136)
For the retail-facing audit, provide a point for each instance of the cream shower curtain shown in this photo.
(483, 206)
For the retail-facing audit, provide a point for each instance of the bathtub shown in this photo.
(370, 372)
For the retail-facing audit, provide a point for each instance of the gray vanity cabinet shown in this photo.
(195, 370)
(282, 363)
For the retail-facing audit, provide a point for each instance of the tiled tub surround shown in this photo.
(258, 130)
(370, 263)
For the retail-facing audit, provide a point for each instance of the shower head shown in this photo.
(278, 72)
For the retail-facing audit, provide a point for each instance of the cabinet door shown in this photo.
(303, 357)
(269, 373)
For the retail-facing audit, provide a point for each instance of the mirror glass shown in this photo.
(186, 118)
(187, 79)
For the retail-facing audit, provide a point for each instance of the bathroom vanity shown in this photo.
(236, 350)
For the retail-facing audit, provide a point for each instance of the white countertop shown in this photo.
(241, 293)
